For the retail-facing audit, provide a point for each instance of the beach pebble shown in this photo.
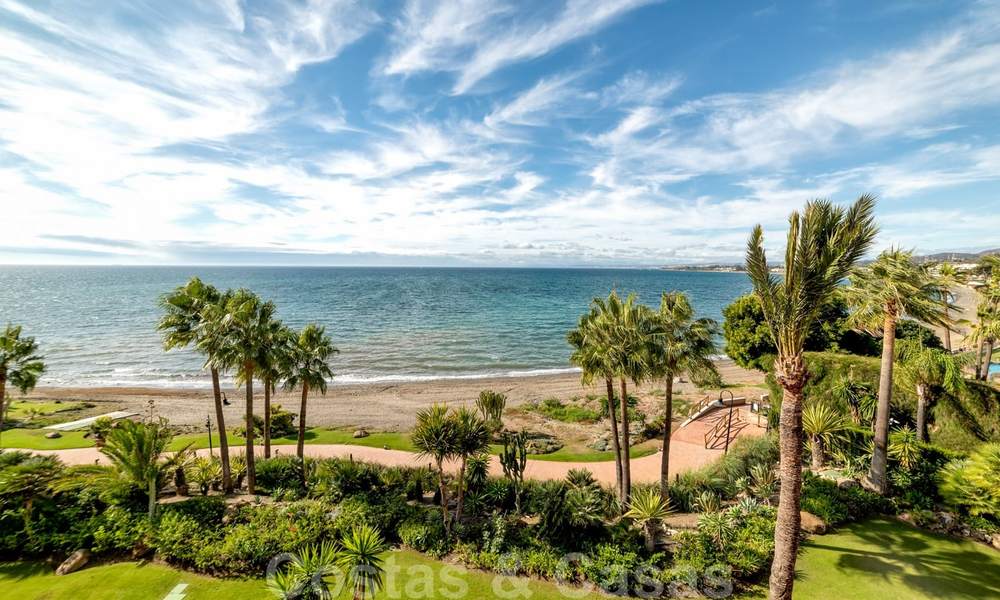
(52, 435)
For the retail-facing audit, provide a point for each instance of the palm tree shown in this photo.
(19, 364)
(309, 368)
(138, 451)
(590, 353)
(648, 509)
(472, 438)
(986, 331)
(274, 362)
(237, 331)
(823, 424)
(890, 288)
(361, 557)
(928, 370)
(824, 243)
(27, 478)
(435, 436)
(181, 326)
(625, 328)
(949, 278)
(680, 344)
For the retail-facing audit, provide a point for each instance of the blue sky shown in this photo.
(571, 132)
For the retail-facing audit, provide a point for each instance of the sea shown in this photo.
(96, 326)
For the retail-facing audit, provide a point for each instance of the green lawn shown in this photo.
(18, 409)
(34, 439)
(884, 558)
(408, 575)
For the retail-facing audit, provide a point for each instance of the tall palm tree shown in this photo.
(237, 331)
(274, 362)
(181, 325)
(361, 557)
(138, 451)
(309, 368)
(680, 344)
(434, 435)
(19, 364)
(824, 243)
(882, 293)
(472, 438)
(928, 370)
(590, 353)
(948, 279)
(625, 327)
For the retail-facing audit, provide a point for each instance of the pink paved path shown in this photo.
(687, 452)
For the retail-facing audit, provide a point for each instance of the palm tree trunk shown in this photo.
(818, 453)
(791, 372)
(979, 360)
(947, 325)
(3, 403)
(650, 537)
(921, 413)
(615, 442)
(444, 497)
(461, 492)
(152, 497)
(668, 416)
(987, 359)
(877, 476)
(251, 460)
(626, 449)
(220, 422)
(267, 418)
(300, 447)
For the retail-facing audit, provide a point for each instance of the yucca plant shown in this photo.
(823, 424)
(648, 509)
(434, 436)
(285, 585)
(491, 406)
(204, 472)
(361, 558)
(719, 526)
(312, 566)
(764, 482)
(904, 447)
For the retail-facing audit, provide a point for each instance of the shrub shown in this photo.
(282, 424)
(180, 538)
(284, 472)
(917, 485)
(836, 505)
(554, 408)
(120, 530)
(610, 568)
(206, 510)
(973, 484)
(424, 532)
(337, 479)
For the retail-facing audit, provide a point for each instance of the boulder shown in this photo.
(53, 435)
(995, 542)
(361, 433)
(601, 443)
(75, 562)
(812, 524)
(847, 483)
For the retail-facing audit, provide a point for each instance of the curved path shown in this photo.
(684, 456)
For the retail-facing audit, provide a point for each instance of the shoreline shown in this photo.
(379, 406)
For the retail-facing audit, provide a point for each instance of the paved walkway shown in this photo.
(687, 452)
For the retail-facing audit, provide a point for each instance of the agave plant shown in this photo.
(748, 507)
(648, 509)
(707, 502)
(204, 472)
(360, 557)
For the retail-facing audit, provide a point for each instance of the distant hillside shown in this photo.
(957, 256)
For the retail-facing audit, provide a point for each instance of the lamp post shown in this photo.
(208, 423)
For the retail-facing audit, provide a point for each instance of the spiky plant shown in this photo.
(20, 365)
(434, 436)
(491, 405)
(824, 425)
(719, 526)
(904, 447)
(648, 509)
(707, 502)
(972, 483)
(929, 370)
(361, 558)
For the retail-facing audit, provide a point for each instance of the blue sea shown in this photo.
(96, 326)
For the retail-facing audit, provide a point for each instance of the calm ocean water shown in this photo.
(96, 325)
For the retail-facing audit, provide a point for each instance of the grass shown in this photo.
(18, 409)
(34, 439)
(885, 558)
(408, 574)
(565, 412)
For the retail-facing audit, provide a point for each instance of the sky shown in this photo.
(485, 132)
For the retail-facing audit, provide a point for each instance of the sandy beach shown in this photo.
(389, 406)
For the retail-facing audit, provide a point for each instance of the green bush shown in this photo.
(424, 532)
(554, 408)
(336, 479)
(280, 472)
(205, 510)
(180, 539)
(120, 530)
(836, 505)
(282, 424)
(917, 485)
(973, 484)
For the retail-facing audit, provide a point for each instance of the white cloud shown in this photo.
(474, 38)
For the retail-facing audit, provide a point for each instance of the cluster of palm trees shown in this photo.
(986, 332)
(20, 365)
(622, 340)
(237, 332)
